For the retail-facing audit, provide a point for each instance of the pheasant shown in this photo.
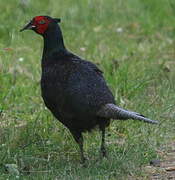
(74, 89)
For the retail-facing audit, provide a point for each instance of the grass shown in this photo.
(132, 42)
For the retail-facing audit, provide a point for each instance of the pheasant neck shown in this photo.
(53, 40)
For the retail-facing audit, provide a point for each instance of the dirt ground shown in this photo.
(163, 168)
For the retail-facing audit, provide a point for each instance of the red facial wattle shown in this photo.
(41, 27)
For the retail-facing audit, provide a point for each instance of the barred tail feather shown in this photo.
(114, 112)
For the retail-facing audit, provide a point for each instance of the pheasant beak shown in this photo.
(28, 26)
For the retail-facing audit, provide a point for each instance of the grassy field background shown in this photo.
(132, 42)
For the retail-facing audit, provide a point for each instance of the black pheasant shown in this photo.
(74, 89)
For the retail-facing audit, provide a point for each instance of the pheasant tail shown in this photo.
(114, 112)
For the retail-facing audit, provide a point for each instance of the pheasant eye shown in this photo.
(42, 21)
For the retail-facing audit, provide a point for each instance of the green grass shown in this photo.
(138, 64)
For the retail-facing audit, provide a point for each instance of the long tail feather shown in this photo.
(114, 112)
